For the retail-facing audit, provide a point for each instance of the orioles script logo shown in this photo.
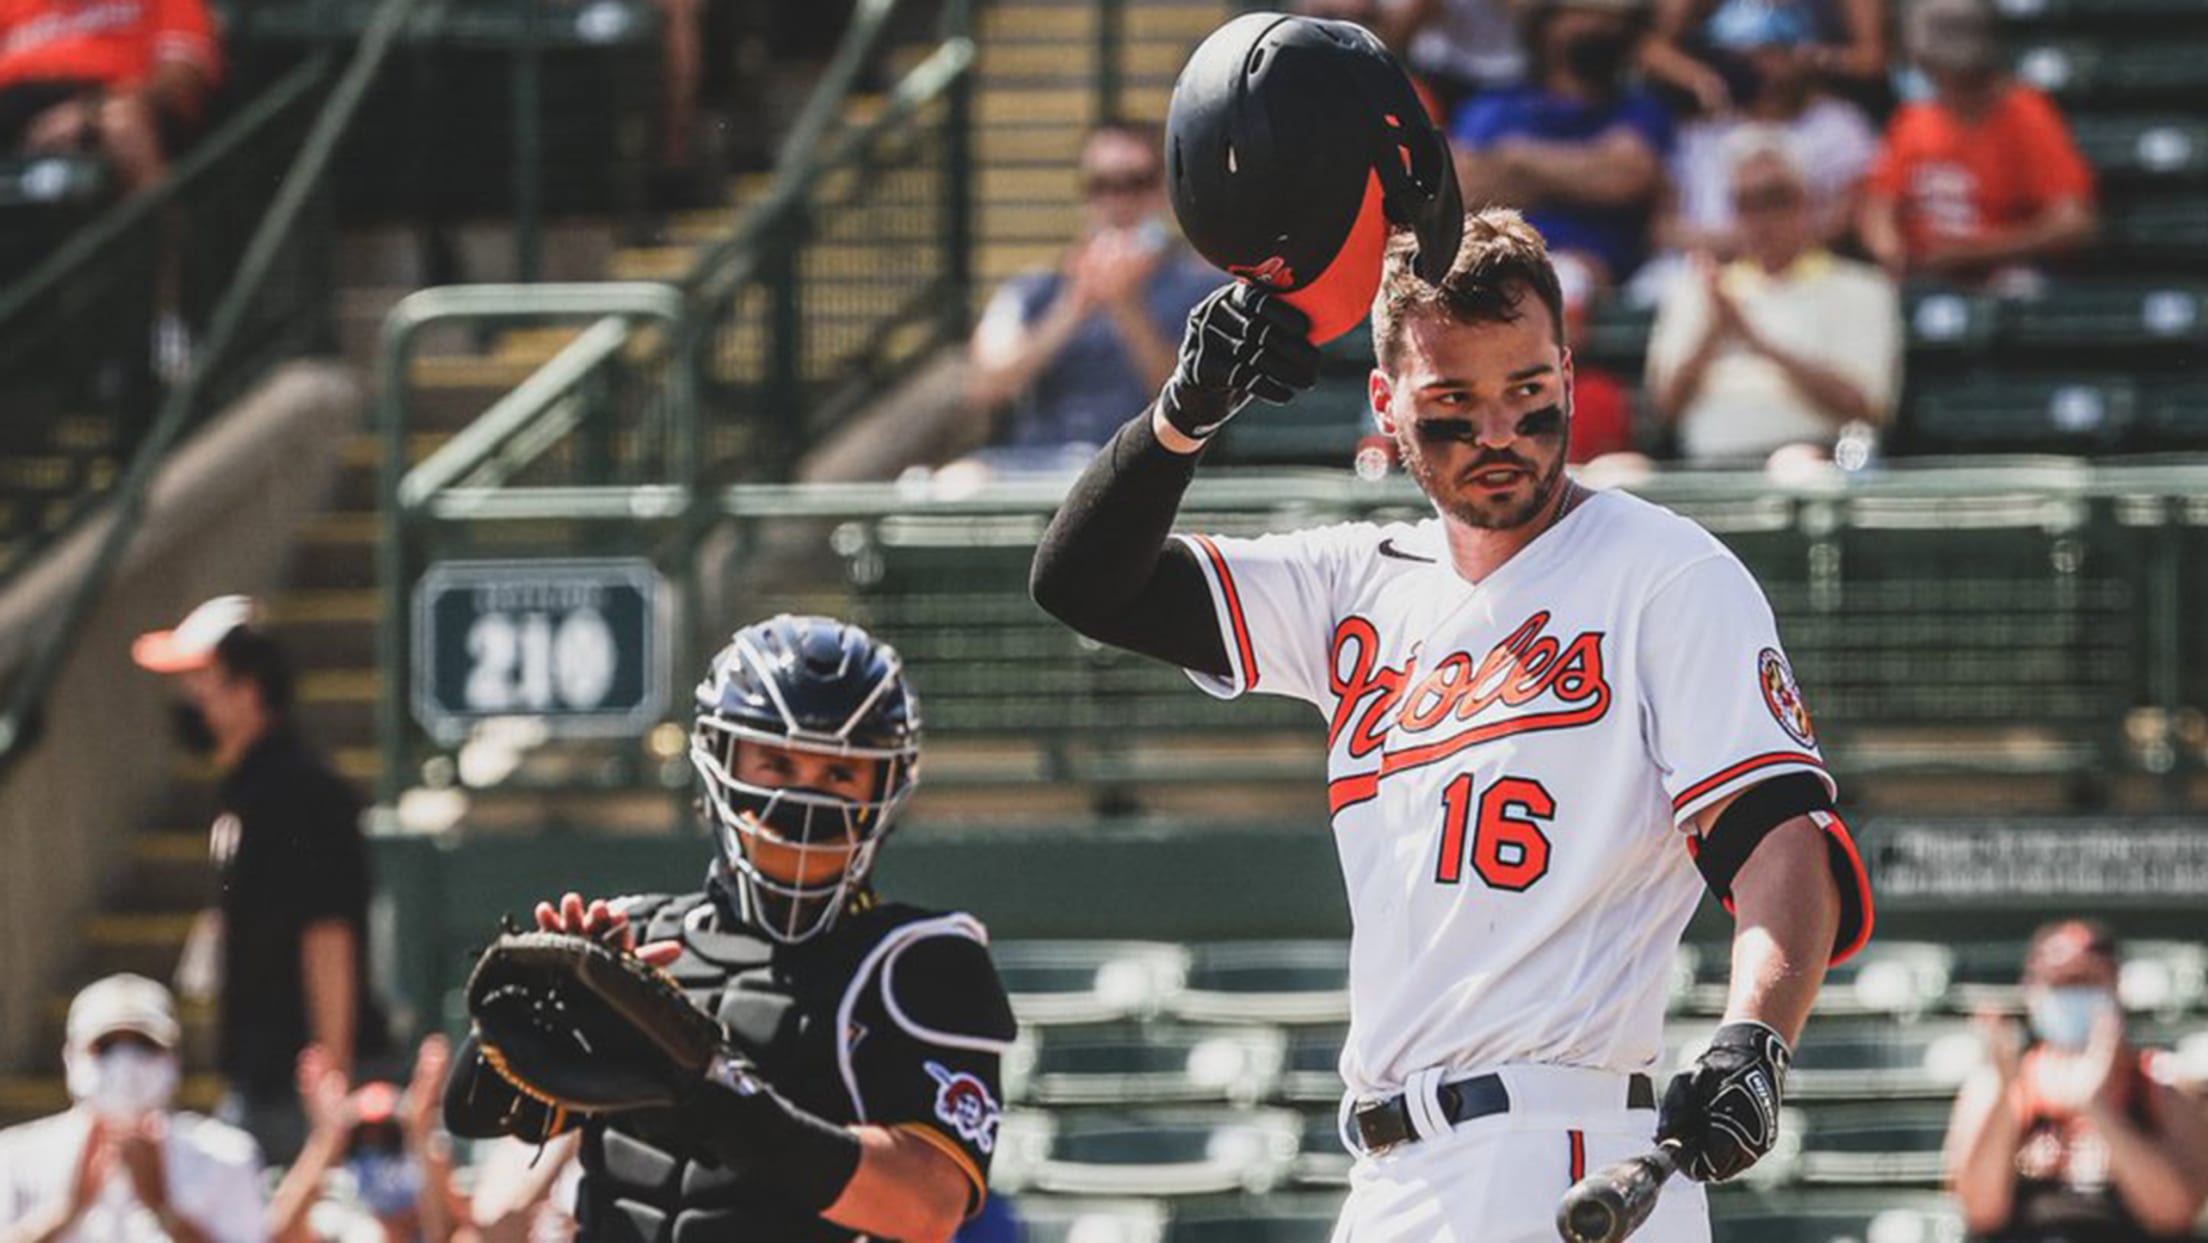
(1460, 703)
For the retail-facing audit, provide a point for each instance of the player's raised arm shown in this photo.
(1105, 567)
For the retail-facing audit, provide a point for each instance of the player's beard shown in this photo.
(1449, 496)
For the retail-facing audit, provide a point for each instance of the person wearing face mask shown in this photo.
(292, 910)
(2068, 1137)
(372, 1155)
(1058, 355)
(121, 1164)
(1578, 149)
(857, 1092)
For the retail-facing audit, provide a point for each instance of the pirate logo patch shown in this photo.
(1784, 698)
(964, 1104)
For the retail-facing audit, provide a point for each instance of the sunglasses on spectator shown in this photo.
(1775, 197)
(1097, 185)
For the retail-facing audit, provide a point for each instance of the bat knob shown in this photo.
(1591, 1221)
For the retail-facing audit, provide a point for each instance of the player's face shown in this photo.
(773, 767)
(1481, 413)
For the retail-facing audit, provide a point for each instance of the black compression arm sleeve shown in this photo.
(1106, 569)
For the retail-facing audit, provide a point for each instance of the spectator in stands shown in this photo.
(2071, 1136)
(125, 78)
(397, 1164)
(1783, 346)
(1066, 354)
(1455, 48)
(293, 907)
(1578, 149)
(1691, 46)
(1981, 180)
(1832, 138)
(123, 1164)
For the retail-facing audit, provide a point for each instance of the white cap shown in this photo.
(123, 1003)
(191, 645)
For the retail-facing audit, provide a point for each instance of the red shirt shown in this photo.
(1959, 180)
(113, 42)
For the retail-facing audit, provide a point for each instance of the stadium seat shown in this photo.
(1121, 1065)
(1262, 1224)
(1044, 1219)
(1161, 1153)
(1812, 1217)
(1986, 411)
(2161, 70)
(1943, 319)
(2104, 316)
(2131, 146)
(1321, 427)
(1266, 982)
(1903, 979)
(2176, 414)
(1088, 981)
(2166, 979)
(1311, 1068)
(1323, 1160)
(2169, 227)
(1885, 1144)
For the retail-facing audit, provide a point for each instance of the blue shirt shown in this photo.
(1616, 235)
(1093, 385)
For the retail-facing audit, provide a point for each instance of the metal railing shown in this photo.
(246, 329)
(1967, 618)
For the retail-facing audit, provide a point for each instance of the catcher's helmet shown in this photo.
(1291, 145)
(814, 685)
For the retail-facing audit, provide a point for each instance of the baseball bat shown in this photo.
(1608, 1205)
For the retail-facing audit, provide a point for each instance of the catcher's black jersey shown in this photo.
(894, 1017)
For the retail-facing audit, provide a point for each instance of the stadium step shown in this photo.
(24, 1097)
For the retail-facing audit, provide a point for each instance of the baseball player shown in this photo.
(870, 1033)
(1553, 717)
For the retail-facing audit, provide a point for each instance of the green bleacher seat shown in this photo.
(2086, 12)
(1322, 1160)
(1617, 335)
(1942, 318)
(2143, 146)
(1048, 1220)
(2164, 978)
(1997, 411)
(1870, 1217)
(2138, 71)
(1260, 1225)
(2166, 226)
(1088, 981)
(1153, 1153)
(2176, 415)
(2104, 316)
(1887, 1144)
(1153, 1065)
(1266, 981)
(1311, 1071)
(1321, 427)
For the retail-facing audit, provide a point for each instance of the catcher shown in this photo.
(833, 1072)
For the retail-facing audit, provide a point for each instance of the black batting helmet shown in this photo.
(804, 684)
(1291, 145)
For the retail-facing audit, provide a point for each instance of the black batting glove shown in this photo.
(1241, 342)
(1724, 1113)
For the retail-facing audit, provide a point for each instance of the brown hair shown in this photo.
(1501, 260)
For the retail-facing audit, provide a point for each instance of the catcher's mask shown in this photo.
(1292, 145)
(812, 686)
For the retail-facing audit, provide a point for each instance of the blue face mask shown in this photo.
(389, 1182)
(2064, 1017)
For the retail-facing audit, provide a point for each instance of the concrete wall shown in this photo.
(221, 518)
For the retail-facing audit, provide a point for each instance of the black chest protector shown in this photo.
(814, 1018)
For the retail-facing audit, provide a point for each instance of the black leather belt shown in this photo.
(1385, 1124)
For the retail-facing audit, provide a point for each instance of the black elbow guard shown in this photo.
(1720, 853)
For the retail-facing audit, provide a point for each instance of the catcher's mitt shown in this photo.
(590, 1029)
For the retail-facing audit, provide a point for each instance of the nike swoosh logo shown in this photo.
(1388, 549)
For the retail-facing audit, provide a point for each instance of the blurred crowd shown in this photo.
(1762, 175)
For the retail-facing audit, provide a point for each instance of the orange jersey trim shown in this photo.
(949, 1147)
(1766, 760)
(1235, 619)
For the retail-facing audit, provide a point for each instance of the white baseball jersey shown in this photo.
(1512, 766)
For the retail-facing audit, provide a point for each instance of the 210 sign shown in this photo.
(579, 644)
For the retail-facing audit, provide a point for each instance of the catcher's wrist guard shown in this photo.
(808, 1161)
